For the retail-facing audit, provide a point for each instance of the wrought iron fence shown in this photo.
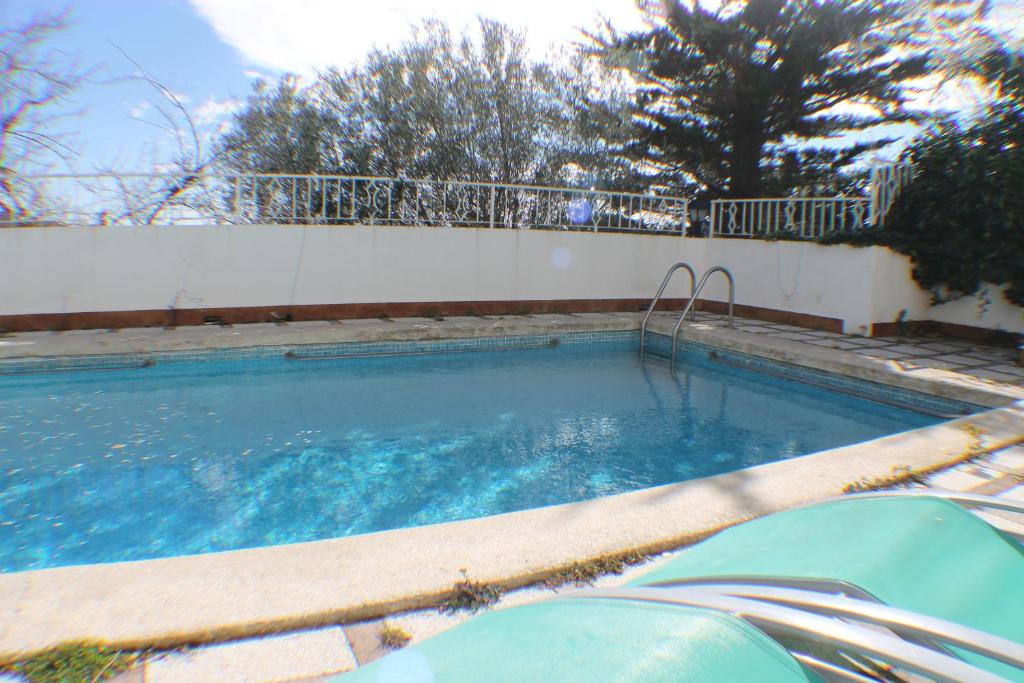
(251, 199)
(886, 183)
(810, 217)
(791, 217)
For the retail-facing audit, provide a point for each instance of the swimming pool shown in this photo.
(127, 458)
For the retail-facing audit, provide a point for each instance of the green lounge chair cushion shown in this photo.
(588, 641)
(923, 554)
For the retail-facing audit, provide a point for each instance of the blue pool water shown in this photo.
(193, 457)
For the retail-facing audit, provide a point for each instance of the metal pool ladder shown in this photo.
(661, 290)
(694, 291)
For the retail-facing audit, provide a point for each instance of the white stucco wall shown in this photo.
(992, 311)
(58, 270)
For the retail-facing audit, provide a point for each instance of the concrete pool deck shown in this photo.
(222, 596)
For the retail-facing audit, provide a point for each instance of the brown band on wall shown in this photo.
(260, 314)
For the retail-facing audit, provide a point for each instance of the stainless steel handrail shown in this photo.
(661, 290)
(693, 299)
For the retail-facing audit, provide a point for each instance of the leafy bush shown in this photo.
(961, 220)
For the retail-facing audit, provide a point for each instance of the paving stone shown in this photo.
(796, 336)
(1011, 458)
(1016, 493)
(829, 343)
(936, 364)
(985, 373)
(943, 347)
(877, 353)
(1015, 370)
(909, 351)
(1004, 521)
(979, 470)
(900, 340)
(955, 480)
(364, 638)
(866, 341)
(302, 654)
(961, 360)
(997, 486)
(990, 355)
(845, 344)
(135, 675)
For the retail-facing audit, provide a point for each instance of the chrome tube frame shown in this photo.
(661, 290)
(775, 619)
(921, 628)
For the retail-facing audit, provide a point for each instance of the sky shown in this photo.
(208, 52)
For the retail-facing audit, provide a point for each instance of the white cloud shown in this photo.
(138, 110)
(213, 111)
(303, 35)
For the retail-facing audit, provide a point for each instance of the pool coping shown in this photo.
(220, 596)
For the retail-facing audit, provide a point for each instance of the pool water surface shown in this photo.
(197, 457)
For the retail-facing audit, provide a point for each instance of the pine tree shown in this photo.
(754, 99)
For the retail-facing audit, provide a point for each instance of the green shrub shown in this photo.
(961, 219)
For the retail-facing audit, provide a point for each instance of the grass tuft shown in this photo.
(393, 637)
(584, 573)
(470, 596)
(81, 662)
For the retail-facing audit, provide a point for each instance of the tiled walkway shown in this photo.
(987, 363)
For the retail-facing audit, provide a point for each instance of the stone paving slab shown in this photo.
(260, 660)
(984, 373)
(956, 479)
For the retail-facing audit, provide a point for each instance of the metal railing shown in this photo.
(811, 217)
(801, 217)
(250, 199)
(886, 183)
